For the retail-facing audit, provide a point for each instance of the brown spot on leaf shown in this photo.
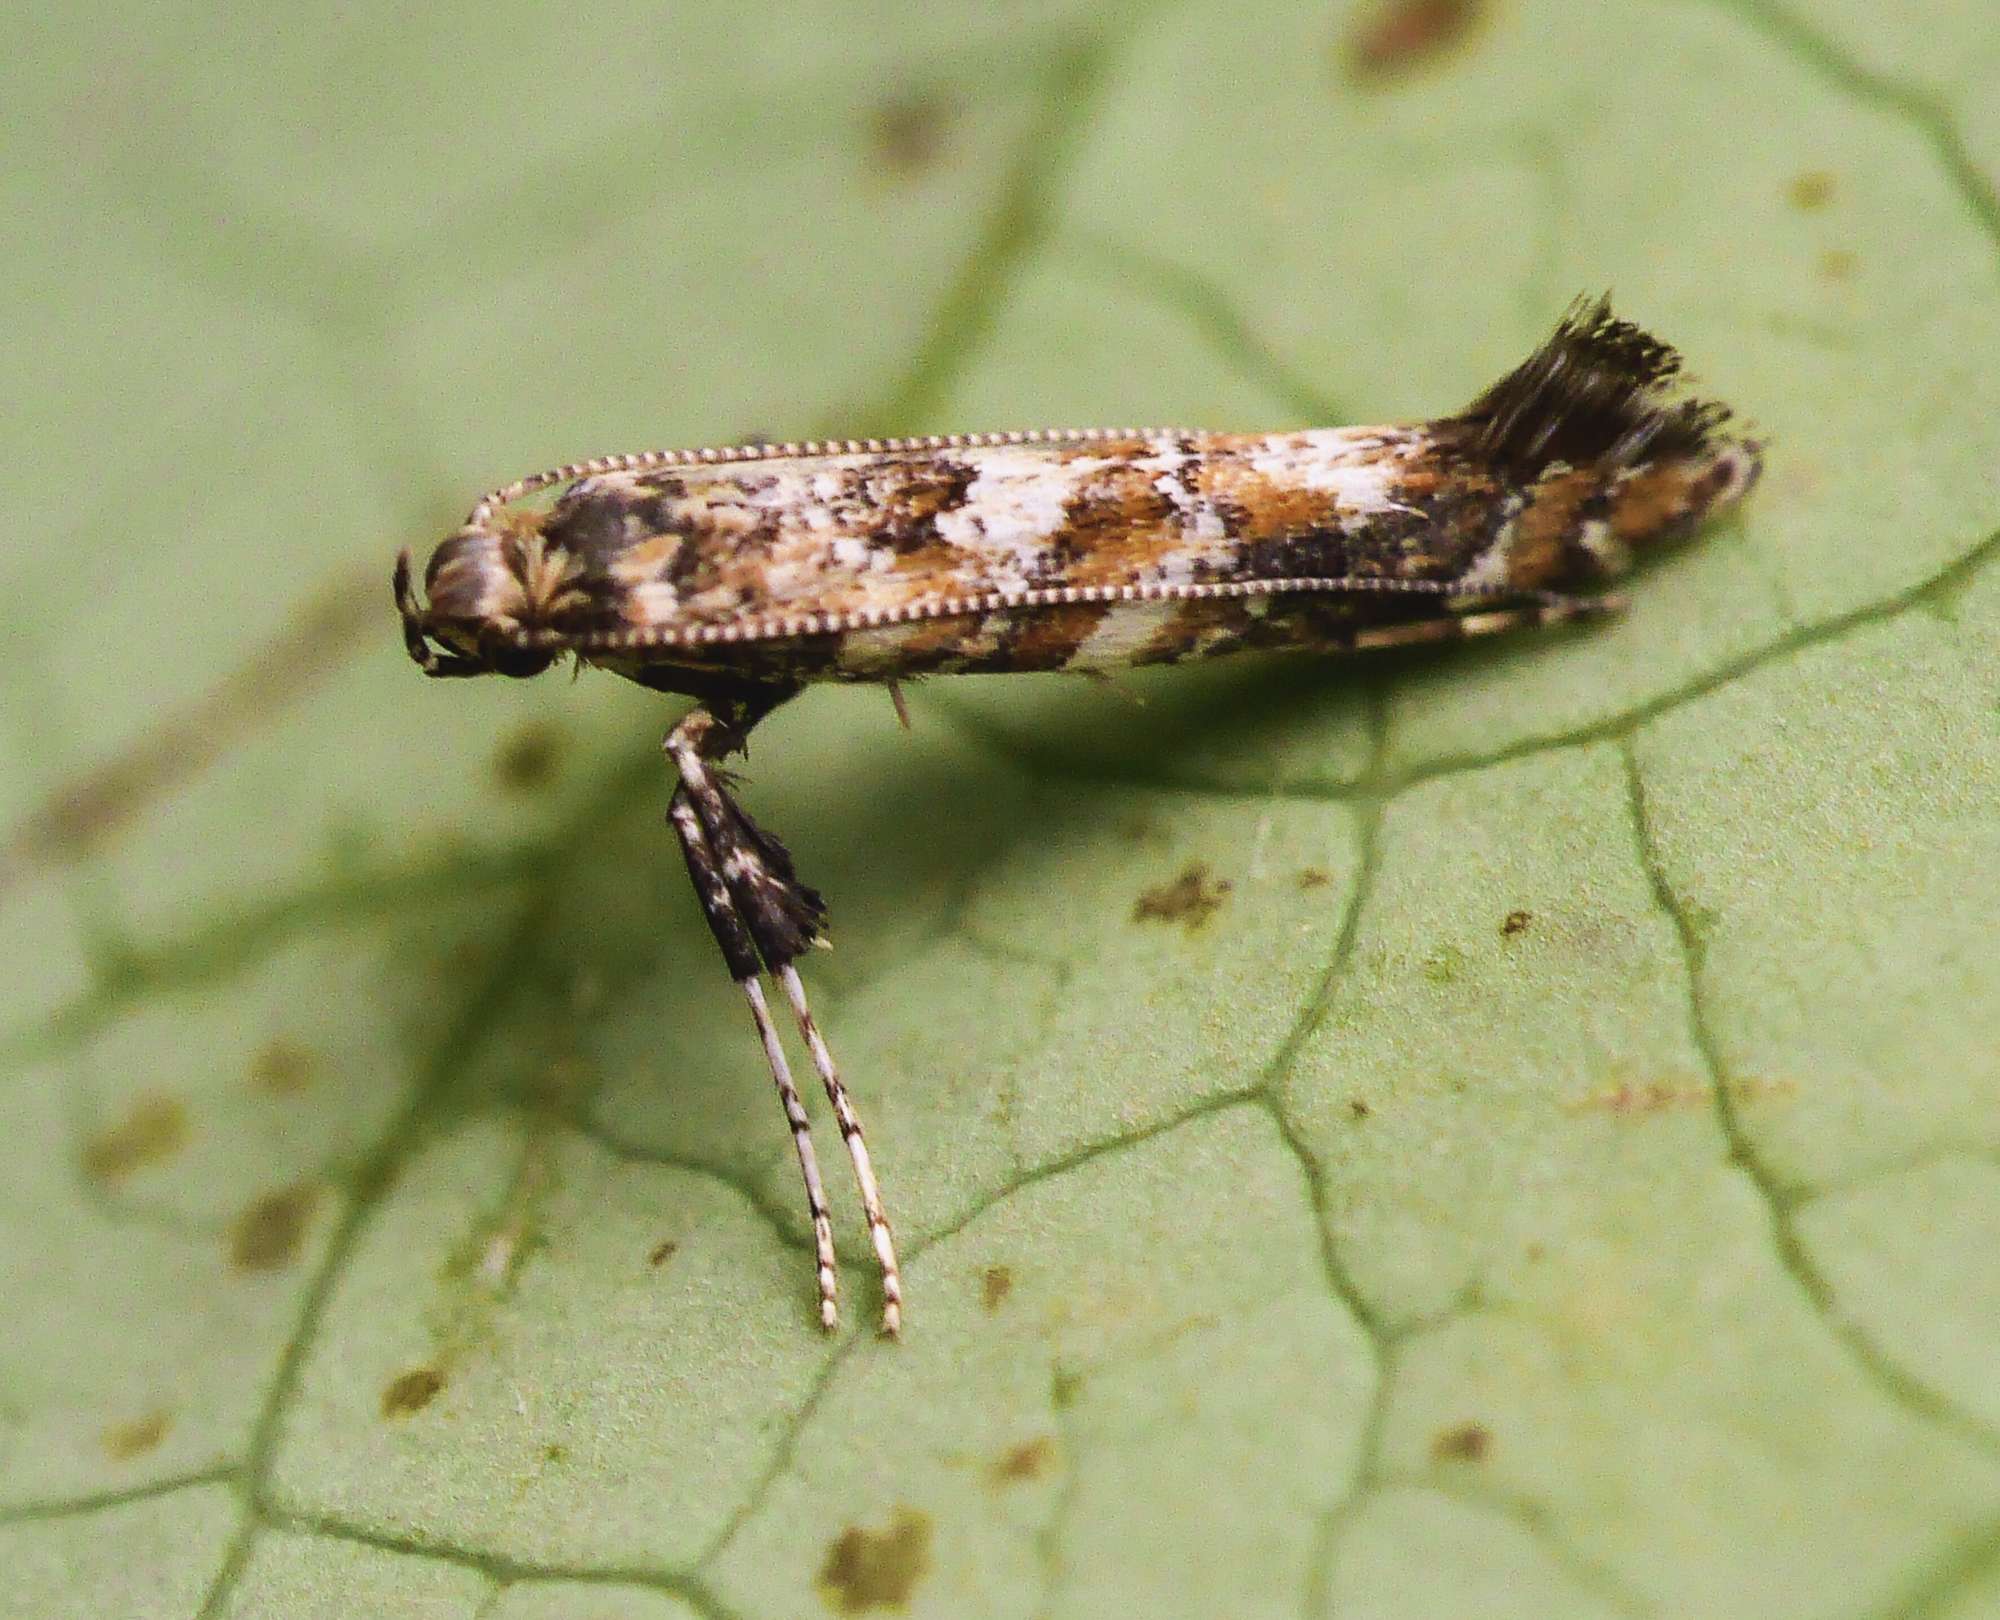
(1837, 264)
(1811, 190)
(1462, 1442)
(995, 1284)
(1401, 36)
(153, 1130)
(907, 133)
(1640, 1097)
(1029, 1460)
(267, 1235)
(1140, 828)
(1358, 1107)
(529, 760)
(281, 1067)
(411, 1391)
(1191, 899)
(877, 1569)
(124, 1441)
(1514, 923)
(663, 1251)
(1663, 1096)
(1315, 877)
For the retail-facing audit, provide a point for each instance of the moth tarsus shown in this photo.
(737, 576)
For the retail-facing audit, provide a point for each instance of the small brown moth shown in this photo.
(737, 576)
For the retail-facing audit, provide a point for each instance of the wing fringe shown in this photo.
(1599, 392)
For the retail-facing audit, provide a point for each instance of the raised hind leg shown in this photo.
(763, 918)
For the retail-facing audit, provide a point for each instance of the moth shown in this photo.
(739, 576)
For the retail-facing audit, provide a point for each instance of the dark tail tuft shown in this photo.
(1598, 392)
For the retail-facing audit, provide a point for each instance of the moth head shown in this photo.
(490, 587)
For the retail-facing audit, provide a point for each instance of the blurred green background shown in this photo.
(1557, 1177)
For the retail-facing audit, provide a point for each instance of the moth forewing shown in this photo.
(738, 576)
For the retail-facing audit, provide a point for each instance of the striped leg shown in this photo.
(857, 1150)
(727, 925)
(1457, 626)
(763, 917)
(795, 1116)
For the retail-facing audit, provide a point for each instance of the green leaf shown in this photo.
(1551, 1168)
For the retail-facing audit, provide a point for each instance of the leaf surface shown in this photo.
(1510, 1132)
